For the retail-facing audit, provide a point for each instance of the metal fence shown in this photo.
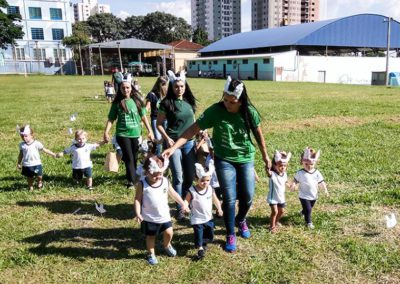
(37, 67)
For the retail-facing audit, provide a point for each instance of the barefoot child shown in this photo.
(201, 197)
(81, 163)
(30, 157)
(151, 206)
(309, 179)
(277, 185)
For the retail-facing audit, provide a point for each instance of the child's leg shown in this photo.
(274, 214)
(281, 211)
(208, 235)
(307, 207)
(167, 237)
(30, 183)
(150, 243)
(40, 182)
(198, 236)
(89, 182)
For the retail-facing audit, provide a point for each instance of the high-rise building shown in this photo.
(276, 13)
(219, 18)
(87, 8)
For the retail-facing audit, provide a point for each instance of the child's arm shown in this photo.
(256, 176)
(178, 199)
(20, 155)
(293, 185)
(217, 204)
(187, 200)
(324, 187)
(138, 202)
(48, 152)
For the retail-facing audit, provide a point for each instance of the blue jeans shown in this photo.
(182, 167)
(203, 233)
(237, 181)
(157, 134)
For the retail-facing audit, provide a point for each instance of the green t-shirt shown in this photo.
(128, 124)
(180, 120)
(230, 136)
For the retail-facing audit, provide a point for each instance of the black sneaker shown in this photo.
(201, 253)
(130, 185)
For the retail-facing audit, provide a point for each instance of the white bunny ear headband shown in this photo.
(27, 130)
(144, 146)
(237, 92)
(173, 78)
(308, 156)
(201, 172)
(128, 78)
(278, 157)
(154, 168)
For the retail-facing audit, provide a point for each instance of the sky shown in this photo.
(181, 8)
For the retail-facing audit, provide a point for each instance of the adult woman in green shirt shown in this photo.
(129, 111)
(232, 120)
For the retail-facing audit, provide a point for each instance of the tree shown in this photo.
(200, 36)
(105, 27)
(133, 27)
(164, 28)
(79, 37)
(9, 30)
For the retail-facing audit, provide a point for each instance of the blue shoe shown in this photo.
(170, 251)
(230, 245)
(244, 230)
(151, 259)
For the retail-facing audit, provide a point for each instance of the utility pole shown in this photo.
(389, 19)
(80, 58)
(119, 55)
(101, 61)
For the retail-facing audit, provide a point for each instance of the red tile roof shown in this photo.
(186, 45)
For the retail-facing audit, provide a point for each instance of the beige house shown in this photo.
(183, 50)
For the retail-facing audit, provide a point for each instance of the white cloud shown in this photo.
(178, 8)
(123, 15)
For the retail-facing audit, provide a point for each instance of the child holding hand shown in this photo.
(309, 180)
(151, 206)
(29, 157)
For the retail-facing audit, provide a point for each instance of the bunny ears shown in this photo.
(278, 157)
(128, 78)
(201, 172)
(154, 168)
(27, 130)
(237, 92)
(310, 155)
(173, 78)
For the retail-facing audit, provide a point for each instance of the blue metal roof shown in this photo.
(364, 30)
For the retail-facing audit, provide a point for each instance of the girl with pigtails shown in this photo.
(234, 119)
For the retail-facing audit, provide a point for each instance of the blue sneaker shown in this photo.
(170, 251)
(244, 230)
(230, 245)
(151, 259)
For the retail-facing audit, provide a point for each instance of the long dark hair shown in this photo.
(244, 109)
(168, 101)
(157, 87)
(121, 101)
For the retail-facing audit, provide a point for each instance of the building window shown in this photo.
(204, 62)
(215, 62)
(245, 61)
(19, 53)
(35, 13)
(13, 10)
(266, 61)
(229, 62)
(62, 54)
(58, 34)
(37, 33)
(55, 14)
(39, 54)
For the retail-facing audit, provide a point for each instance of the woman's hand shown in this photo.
(167, 153)
(268, 165)
(139, 218)
(106, 137)
(170, 142)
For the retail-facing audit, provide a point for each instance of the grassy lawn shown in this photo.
(357, 129)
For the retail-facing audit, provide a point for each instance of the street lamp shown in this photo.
(119, 54)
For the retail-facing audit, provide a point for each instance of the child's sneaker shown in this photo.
(201, 253)
(151, 259)
(244, 230)
(310, 226)
(130, 185)
(90, 188)
(230, 245)
(170, 251)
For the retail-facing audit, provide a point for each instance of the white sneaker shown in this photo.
(310, 226)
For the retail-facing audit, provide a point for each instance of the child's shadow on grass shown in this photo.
(86, 243)
(117, 211)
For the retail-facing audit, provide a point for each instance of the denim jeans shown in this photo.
(182, 167)
(203, 233)
(237, 181)
(157, 135)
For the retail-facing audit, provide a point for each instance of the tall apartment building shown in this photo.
(45, 23)
(219, 18)
(276, 13)
(87, 8)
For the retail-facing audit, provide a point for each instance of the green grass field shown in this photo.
(357, 129)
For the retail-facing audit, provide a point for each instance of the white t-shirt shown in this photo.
(30, 153)
(277, 187)
(308, 183)
(81, 155)
(155, 207)
(201, 205)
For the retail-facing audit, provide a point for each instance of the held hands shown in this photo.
(139, 218)
(293, 187)
(18, 167)
(170, 142)
(220, 213)
(106, 137)
(59, 155)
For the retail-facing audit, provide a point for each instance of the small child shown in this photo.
(81, 163)
(151, 206)
(109, 91)
(201, 197)
(146, 148)
(309, 179)
(277, 185)
(30, 157)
